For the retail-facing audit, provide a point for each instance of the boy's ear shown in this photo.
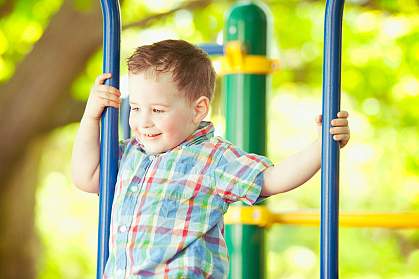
(201, 108)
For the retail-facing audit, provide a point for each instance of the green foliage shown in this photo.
(20, 29)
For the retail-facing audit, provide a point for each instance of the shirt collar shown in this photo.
(205, 131)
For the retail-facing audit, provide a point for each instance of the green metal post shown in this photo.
(245, 112)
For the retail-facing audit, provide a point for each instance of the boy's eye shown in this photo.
(134, 109)
(157, 110)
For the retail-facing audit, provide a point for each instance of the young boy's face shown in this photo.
(161, 116)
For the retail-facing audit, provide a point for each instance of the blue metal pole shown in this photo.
(330, 150)
(212, 49)
(109, 131)
(124, 117)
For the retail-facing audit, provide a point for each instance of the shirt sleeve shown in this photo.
(239, 175)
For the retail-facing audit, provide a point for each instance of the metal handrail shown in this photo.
(109, 129)
(263, 217)
(329, 262)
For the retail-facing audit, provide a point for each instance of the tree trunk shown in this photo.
(18, 243)
(35, 100)
(44, 79)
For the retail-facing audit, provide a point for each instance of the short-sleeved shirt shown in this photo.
(167, 215)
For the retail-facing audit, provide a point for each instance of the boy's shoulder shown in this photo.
(222, 140)
(229, 152)
(224, 150)
(218, 143)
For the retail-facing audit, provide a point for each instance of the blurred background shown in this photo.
(50, 54)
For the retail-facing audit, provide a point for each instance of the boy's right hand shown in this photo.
(101, 96)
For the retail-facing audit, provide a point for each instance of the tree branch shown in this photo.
(6, 8)
(188, 5)
(372, 5)
(65, 112)
(44, 76)
(36, 99)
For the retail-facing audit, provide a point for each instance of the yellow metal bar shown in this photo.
(236, 61)
(261, 216)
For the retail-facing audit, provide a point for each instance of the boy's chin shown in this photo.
(156, 148)
(154, 151)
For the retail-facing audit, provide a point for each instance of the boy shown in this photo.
(176, 180)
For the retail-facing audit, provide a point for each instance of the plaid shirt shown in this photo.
(167, 217)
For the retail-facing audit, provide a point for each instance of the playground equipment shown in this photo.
(245, 67)
(245, 70)
(109, 131)
(330, 149)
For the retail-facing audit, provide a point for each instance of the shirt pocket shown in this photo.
(180, 195)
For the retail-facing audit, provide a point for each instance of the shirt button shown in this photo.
(152, 157)
(122, 228)
(133, 188)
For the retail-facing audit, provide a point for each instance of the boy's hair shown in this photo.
(190, 66)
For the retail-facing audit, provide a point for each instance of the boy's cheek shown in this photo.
(132, 124)
(171, 126)
(177, 127)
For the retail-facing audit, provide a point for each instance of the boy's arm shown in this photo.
(86, 148)
(85, 157)
(300, 167)
(293, 171)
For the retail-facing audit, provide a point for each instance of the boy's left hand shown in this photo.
(340, 127)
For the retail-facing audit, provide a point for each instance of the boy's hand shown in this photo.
(101, 96)
(340, 127)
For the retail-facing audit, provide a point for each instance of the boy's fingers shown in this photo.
(110, 103)
(108, 96)
(339, 122)
(343, 114)
(344, 138)
(101, 78)
(107, 88)
(339, 130)
(113, 104)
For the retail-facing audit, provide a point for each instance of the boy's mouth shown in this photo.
(151, 136)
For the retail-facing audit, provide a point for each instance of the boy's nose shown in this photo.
(144, 120)
(146, 125)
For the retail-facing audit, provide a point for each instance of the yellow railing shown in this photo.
(261, 216)
(237, 61)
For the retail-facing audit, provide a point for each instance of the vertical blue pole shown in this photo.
(109, 130)
(124, 117)
(330, 150)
